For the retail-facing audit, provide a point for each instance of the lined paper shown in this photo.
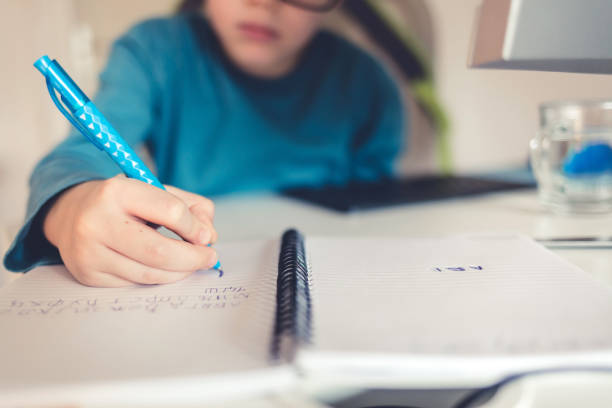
(480, 295)
(462, 297)
(55, 330)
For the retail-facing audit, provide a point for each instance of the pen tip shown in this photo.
(219, 268)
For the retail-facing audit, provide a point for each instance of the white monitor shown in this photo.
(544, 35)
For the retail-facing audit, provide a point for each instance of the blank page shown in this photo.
(57, 331)
(461, 296)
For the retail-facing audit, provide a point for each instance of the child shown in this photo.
(240, 95)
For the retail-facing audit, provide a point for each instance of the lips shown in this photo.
(258, 32)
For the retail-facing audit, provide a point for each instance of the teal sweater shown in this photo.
(213, 129)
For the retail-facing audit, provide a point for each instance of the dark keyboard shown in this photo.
(364, 196)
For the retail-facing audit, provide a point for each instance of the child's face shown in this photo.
(262, 37)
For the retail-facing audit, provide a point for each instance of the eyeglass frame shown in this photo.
(330, 5)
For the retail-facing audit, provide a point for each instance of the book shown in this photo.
(306, 313)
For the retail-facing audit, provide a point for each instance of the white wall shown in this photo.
(494, 113)
(29, 28)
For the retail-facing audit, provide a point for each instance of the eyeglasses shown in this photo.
(314, 5)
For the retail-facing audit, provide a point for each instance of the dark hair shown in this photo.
(189, 6)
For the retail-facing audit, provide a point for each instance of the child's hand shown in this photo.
(100, 230)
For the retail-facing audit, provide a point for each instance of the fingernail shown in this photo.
(215, 262)
(204, 237)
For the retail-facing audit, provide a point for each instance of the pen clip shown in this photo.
(68, 115)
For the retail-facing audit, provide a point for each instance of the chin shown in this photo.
(260, 65)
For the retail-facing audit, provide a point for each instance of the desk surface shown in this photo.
(247, 217)
(267, 216)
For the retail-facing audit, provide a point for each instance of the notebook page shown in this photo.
(461, 296)
(56, 331)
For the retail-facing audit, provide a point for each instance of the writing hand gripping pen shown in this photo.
(84, 116)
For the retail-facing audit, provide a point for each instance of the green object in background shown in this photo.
(425, 94)
(423, 88)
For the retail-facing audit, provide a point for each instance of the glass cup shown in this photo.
(571, 156)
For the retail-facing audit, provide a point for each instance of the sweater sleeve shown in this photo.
(126, 97)
(380, 139)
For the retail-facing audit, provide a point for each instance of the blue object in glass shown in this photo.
(592, 159)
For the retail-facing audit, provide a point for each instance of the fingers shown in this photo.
(102, 280)
(87, 274)
(111, 269)
(122, 268)
(139, 242)
(161, 207)
(198, 204)
(104, 241)
(201, 207)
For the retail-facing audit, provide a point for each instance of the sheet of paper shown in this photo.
(479, 295)
(57, 331)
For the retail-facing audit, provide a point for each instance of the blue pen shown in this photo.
(84, 116)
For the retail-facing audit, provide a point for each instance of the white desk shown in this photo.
(267, 216)
(248, 217)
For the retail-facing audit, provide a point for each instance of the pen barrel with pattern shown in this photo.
(84, 115)
(93, 124)
(107, 138)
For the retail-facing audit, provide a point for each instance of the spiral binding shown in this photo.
(293, 303)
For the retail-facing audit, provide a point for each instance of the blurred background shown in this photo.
(492, 114)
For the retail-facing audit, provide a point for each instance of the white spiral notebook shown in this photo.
(459, 311)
